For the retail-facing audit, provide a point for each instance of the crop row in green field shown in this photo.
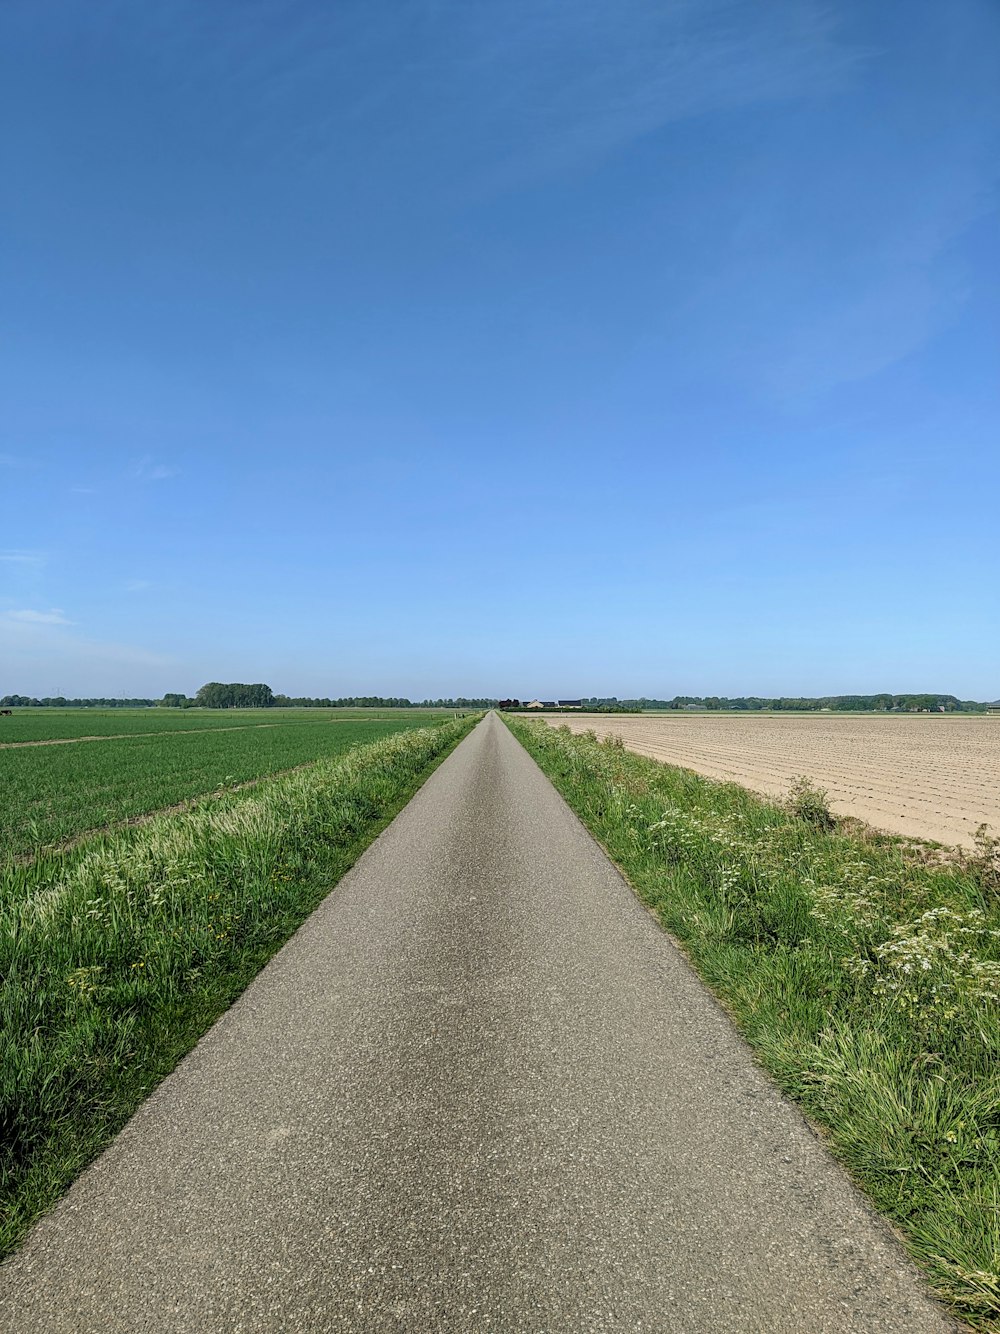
(115, 957)
(52, 793)
(57, 724)
(866, 978)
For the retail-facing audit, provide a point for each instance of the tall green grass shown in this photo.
(116, 957)
(866, 978)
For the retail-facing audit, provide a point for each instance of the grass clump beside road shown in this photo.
(115, 957)
(866, 978)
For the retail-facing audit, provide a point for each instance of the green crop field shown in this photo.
(52, 793)
(67, 724)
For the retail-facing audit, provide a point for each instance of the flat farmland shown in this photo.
(61, 777)
(929, 776)
(98, 724)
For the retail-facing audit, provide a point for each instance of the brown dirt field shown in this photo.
(926, 776)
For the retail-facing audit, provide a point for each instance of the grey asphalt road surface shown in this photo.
(479, 1090)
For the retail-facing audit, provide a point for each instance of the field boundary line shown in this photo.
(144, 817)
(176, 731)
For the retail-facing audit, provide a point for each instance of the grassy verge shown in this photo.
(866, 978)
(116, 957)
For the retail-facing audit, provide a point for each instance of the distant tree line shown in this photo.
(235, 695)
(61, 702)
(379, 702)
(620, 706)
(884, 703)
(506, 705)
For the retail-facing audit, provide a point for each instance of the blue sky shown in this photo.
(445, 347)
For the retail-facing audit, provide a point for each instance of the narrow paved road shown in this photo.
(479, 1090)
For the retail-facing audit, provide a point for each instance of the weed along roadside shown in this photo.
(866, 979)
(116, 956)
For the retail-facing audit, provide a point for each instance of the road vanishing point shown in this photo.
(480, 1089)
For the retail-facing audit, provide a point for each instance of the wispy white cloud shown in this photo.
(36, 644)
(844, 252)
(20, 462)
(90, 651)
(137, 585)
(866, 332)
(53, 617)
(15, 557)
(567, 85)
(148, 470)
(505, 97)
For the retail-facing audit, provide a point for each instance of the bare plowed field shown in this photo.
(926, 776)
